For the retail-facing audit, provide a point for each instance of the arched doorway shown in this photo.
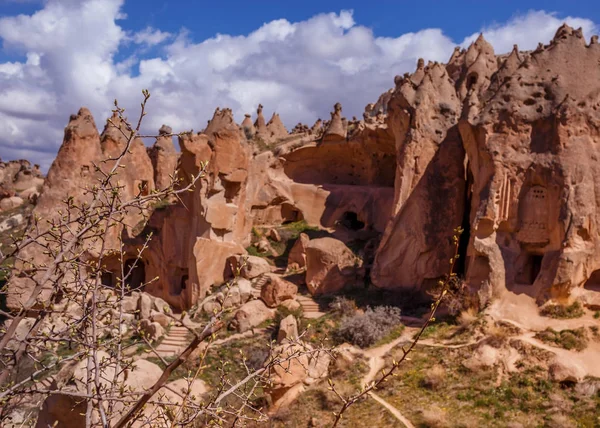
(135, 275)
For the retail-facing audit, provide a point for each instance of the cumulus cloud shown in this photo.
(150, 37)
(528, 30)
(299, 69)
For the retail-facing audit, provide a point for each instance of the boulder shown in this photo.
(288, 329)
(11, 203)
(246, 290)
(249, 266)
(130, 303)
(152, 330)
(330, 266)
(251, 314)
(11, 222)
(160, 318)
(563, 370)
(160, 305)
(69, 411)
(274, 235)
(291, 304)
(276, 289)
(298, 252)
(31, 194)
(485, 356)
(144, 306)
(301, 367)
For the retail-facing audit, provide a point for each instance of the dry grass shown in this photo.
(467, 317)
(434, 378)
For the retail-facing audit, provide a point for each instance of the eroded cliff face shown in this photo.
(504, 146)
(531, 136)
(512, 141)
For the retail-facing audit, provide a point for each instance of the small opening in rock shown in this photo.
(471, 80)
(144, 189)
(135, 275)
(232, 190)
(531, 269)
(107, 279)
(290, 214)
(593, 283)
(350, 221)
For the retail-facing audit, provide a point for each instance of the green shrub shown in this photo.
(567, 339)
(574, 310)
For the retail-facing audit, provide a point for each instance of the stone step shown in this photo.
(313, 315)
(169, 348)
(179, 334)
(167, 342)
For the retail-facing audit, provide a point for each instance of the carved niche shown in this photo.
(533, 216)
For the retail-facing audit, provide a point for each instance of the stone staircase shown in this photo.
(257, 285)
(310, 307)
(174, 342)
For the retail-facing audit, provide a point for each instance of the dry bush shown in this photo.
(434, 378)
(343, 306)
(466, 318)
(434, 417)
(365, 329)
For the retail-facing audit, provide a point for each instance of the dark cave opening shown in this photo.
(350, 221)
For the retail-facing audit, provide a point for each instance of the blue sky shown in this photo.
(296, 58)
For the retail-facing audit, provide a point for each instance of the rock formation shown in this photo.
(19, 182)
(504, 146)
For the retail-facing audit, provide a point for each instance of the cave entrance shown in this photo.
(290, 214)
(181, 281)
(465, 237)
(350, 221)
(530, 269)
(135, 272)
(108, 279)
(593, 283)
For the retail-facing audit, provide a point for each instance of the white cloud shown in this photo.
(528, 30)
(297, 69)
(150, 37)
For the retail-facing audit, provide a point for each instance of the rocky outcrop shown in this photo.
(164, 158)
(276, 289)
(250, 315)
(502, 145)
(331, 266)
(19, 179)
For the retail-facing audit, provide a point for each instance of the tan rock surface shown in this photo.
(276, 290)
(330, 266)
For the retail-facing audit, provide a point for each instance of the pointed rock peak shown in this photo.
(337, 108)
(563, 32)
(455, 54)
(82, 124)
(275, 127)
(594, 40)
(482, 45)
(578, 33)
(420, 64)
(260, 123)
(221, 119)
(84, 112)
(164, 130)
(247, 122)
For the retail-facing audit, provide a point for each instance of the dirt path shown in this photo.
(376, 361)
(392, 410)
